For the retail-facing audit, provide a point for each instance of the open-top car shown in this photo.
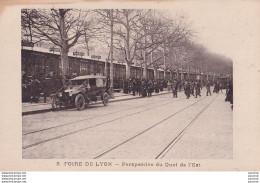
(80, 91)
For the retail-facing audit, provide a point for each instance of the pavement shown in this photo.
(147, 128)
(40, 107)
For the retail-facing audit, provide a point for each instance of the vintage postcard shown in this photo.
(130, 86)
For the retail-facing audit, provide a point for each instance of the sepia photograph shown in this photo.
(122, 84)
(119, 86)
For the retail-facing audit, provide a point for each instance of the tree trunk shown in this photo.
(145, 55)
(164, 62)
(64, 50)
(182, 76)
(87, 48)
(188, 72)
(64, 63)
(155, 73)
(128, 73)
(145, 69)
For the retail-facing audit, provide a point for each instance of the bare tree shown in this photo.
(125, 36)
(62, 27)
(161, 34)
(28, 34)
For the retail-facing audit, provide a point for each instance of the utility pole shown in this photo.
(164, 61)
(105, 70)
(181, 70)
(111, 57)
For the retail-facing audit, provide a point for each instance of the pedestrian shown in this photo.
(150, 88)
(144, 88)
(208, 88)
(156, 86)
(169, 86)
(180, 85)
(192, 86)
(126, 86)
(220, 86)
(130, 85)
(174, 89)
(216, 87)
(229, 96)
(197, 89)
(161, 85)
(227, 88)
(139, 86)
(134, 86)
(35, 89)
(187, 89)
(44, 88)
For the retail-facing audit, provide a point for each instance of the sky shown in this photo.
(226, 28)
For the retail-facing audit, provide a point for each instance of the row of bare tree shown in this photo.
(150, 38)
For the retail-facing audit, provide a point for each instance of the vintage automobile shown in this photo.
(80, 91)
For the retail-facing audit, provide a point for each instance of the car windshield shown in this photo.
(77, 82)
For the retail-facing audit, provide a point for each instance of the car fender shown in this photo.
(102, 94)
(85, 96)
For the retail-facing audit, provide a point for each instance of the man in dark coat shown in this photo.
(130, 85)
(229, 96)
(126, 87)
(197, 89)
(134, 83)
(192, 86)
(208, 88)
(156, 86)
(35, 90)
(174, 88)
(139, 86)
(44, 88)
(216, 87)
(144, 88)
(187, 89)
(150, 88)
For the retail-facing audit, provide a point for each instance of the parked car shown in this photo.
(80, 91)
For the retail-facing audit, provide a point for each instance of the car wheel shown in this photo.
(105, 99)
(80, 102)
(56, 104)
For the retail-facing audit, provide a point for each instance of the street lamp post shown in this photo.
(111, 56)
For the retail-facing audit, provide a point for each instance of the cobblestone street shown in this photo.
(155, 127)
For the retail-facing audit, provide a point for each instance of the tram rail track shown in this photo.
(144, 131)
(86, 119)
(178, 137)
(89, 127)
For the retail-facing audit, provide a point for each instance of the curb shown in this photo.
(36, 112)
(116, 100)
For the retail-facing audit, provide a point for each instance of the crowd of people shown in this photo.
(34, 87)
(194, 88)
(144, 87)
(41, 85)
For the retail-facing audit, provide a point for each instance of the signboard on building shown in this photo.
(95, 57)
(76, 53)
(54, 49)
